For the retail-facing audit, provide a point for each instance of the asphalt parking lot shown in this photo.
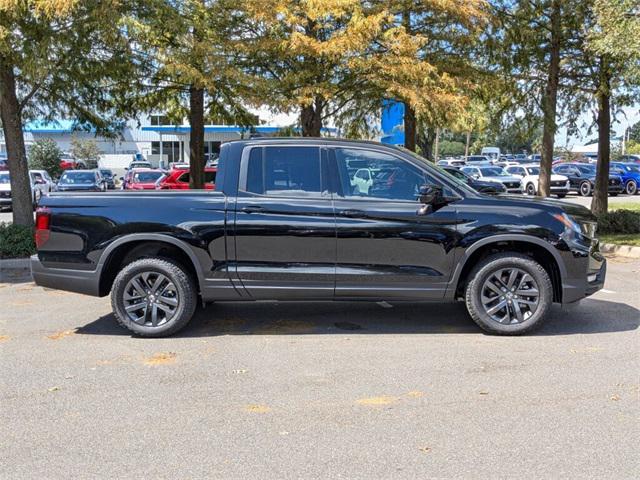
(309, 390)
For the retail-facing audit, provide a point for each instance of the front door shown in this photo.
(388, 248)
(285, 233)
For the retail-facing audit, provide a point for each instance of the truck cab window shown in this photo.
(284, 171)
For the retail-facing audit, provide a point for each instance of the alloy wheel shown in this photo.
(531, 189)
(150, 299)
(585, 189)
(631, 187)
(510, 296)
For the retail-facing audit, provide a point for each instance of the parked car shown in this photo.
(512, 183)
(283, 224)
(530, 175)
(521, 158)
(582, 178)
(451, 162)
(630, 174)
(109, 178)
(143, 179)
(535, 158)
(69, 163)
(482, 186)
(492, 152)
(630, 158)
(178, 179)
(41, 184)
(5, 190)
(139, 164)
(4, 165)
(81, 181)
(478, 159)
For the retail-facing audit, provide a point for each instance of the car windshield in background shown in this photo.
(533, 170)
(76, 178)
(146, 177)
(106, 173)
(4, 178)
(493, 172)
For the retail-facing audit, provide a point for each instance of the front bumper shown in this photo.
(86, 282)
(586, 274)
(5, 201)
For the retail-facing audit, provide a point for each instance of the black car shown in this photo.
(288, 222)
(108, 178)
(481, 186)
(582, 178)
(81, 181)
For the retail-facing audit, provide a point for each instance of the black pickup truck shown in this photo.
(290, 220)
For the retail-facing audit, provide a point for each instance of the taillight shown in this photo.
(43, 224)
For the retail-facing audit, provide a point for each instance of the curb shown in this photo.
(621, 250)
(15, 263)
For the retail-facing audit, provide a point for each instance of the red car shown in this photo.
(142, 179)
(71, 164)
(178, 179)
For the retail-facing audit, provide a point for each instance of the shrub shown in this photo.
(16, 241)
(619, 221)
(86, 151)
(45, 155)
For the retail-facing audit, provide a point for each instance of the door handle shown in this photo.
(253, 209)
(352, 213)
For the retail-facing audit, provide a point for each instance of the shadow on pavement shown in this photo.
(590, 316)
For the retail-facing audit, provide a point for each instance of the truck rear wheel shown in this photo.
(153, 297)
(508, 294)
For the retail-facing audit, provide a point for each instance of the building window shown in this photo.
(157, 120)
(171, 150)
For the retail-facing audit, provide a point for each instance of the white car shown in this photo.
(530, 175)
(512, 183)
(451, 162)
(363, 179)
(39, 187)
(41, 184)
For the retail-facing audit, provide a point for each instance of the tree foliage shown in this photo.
(45, 155)
(85, 150)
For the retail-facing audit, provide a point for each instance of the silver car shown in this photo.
(512, 183)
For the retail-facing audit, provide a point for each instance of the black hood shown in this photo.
(549, 204)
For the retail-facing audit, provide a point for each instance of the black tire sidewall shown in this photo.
(496, 262)
(180, 278)
(533, 189)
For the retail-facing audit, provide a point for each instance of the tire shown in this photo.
(631, 188)
(584, 189)
(498, 265)
(531, 189)
(562, 195)
(178, 294)
(613, 194)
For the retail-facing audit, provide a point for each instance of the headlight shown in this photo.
(587, 229)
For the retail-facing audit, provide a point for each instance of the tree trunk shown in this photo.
(425, 140)
(409, 127)
(22, 203)
(311, 118)
(436, 154)
(599, 204)
(196, 137)
(550, 100)
(466, 146)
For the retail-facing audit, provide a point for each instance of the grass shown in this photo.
(635, 206)
(621, 239)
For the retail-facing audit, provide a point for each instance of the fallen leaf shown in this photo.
(373, 401)
(257, 408)
(241, 370)
(163, 358)
(614, 397)
(415, 394)
(59, 335)
(425, 449)
(484, 393)
(54, 389)
(4, 338)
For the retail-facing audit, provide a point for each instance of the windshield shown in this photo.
(493, 172)
(629, 167)
(106, 173)
(4, 178)
(533, 170)
(146, 177)
(78, 177)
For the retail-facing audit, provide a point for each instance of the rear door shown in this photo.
(285, 232)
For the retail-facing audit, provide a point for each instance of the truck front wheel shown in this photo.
(508, 294)
(153, 297)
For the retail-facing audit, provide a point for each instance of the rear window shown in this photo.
(209, 177)
(284, 171)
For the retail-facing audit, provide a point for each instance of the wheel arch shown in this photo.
(534, 247)
(136, 246)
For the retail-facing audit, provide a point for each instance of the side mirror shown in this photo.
(430, 197)
(39, 182)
